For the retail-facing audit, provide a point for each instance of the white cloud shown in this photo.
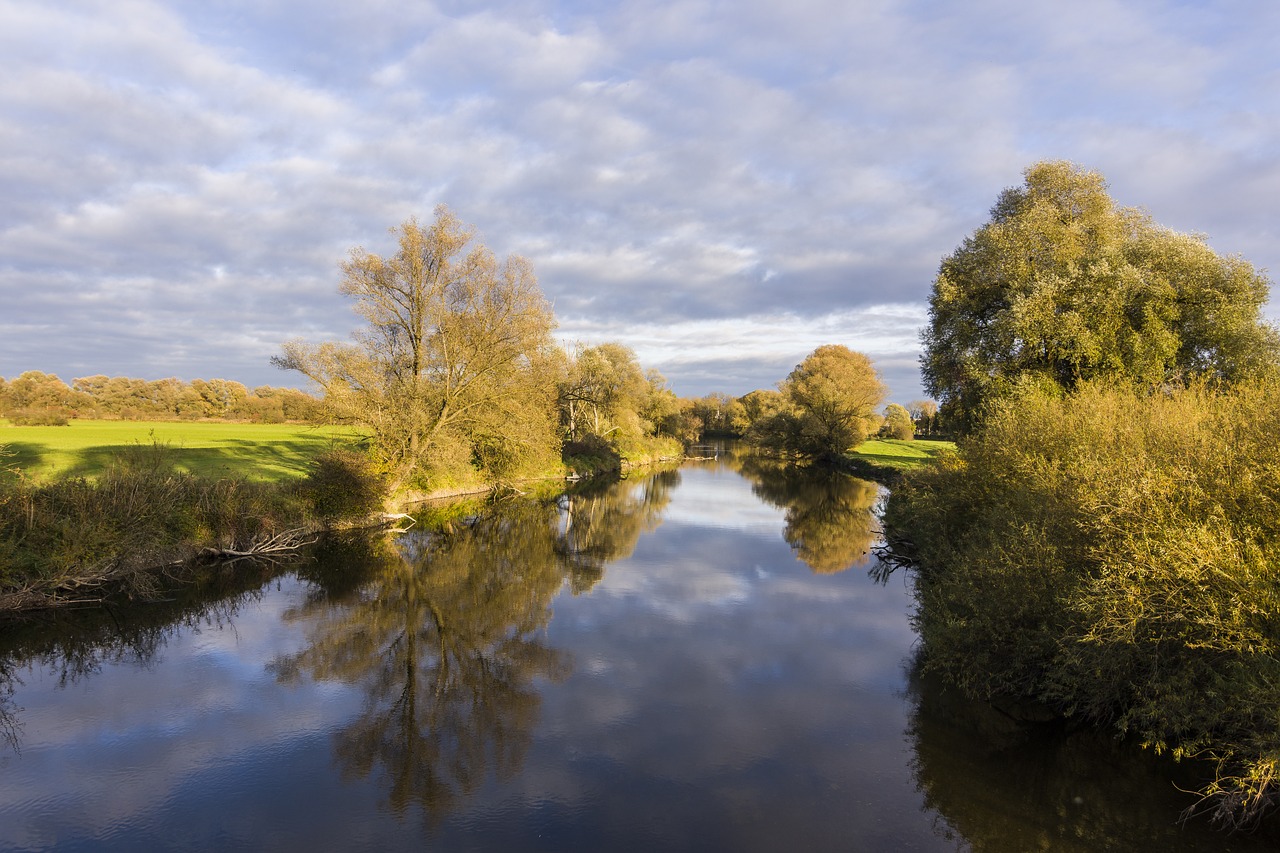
(662, 164)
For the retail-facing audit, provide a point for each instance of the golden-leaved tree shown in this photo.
(452, 368)
(1063, 286)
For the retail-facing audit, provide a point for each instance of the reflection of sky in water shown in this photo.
(733, 698)
(721, 696)
(717, 498)
(113, 750)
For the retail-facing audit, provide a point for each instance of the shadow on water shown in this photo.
(998, 780)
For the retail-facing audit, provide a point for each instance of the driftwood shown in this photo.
(260, 549)
(92, 585)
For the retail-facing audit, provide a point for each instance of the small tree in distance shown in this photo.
(829, 405)
(897, 422)
(924, 414)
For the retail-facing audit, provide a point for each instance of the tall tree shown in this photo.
(1061, 285)
(453, 345)
(897, 422)
(835, 393)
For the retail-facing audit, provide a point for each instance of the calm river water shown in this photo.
(692, 660)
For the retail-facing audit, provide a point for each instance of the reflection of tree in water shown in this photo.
(830, 520)
(444, 640)
(999, 781)
(601, 522)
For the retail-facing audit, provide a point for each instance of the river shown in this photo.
(696, 659)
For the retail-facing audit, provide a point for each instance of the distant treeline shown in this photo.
(36, 397)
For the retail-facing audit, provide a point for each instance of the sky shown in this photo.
(721, 186)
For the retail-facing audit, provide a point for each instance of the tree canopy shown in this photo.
(836, 392)
(1062, 285)
(827, 405)
(454, 360)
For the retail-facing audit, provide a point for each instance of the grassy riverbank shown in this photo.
(901, 454)
(269, 453)
(887, 459)
(114, 507)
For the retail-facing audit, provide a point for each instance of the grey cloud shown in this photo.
(658, 162)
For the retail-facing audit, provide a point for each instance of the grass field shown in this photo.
(263, 452)
(900, 454)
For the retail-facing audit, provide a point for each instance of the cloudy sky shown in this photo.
(720, 185)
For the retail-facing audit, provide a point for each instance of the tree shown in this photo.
(452, 360)
(922, 414)
(835, 393)
(1062, 286)
(35, 389)
(897, 422)
(606, 385)
(758, 406)
(220, 397)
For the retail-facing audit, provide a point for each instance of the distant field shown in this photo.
(270, 452)
(896, 453)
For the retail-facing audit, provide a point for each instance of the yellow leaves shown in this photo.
(1119, 548)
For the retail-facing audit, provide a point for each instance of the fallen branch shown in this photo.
(285, 542)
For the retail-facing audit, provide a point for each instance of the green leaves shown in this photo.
(828, 405)
(1064, 285)
(447, 374)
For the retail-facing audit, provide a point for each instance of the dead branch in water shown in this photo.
(268, 549)
(92, 585)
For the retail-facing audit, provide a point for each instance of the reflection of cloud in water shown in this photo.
(684, 575)
(703, 501)
(153, 735)
(775, 712)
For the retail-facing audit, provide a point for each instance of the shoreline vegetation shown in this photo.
(157, 503)
(134, 520)
(1104, 543)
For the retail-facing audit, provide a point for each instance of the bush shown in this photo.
(343, 485)
(39, 417)
(1114, 554)
(591, 454)
(74, 535)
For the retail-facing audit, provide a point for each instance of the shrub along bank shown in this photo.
(1113, 554)
(74, 539)
(141, 517)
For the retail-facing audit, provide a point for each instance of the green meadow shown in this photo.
(260, 452)
(900, 454)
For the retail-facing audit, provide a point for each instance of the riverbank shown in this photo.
(141, 523)
(886, 460)
(1111, 555)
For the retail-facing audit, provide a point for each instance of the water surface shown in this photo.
(692, 660)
